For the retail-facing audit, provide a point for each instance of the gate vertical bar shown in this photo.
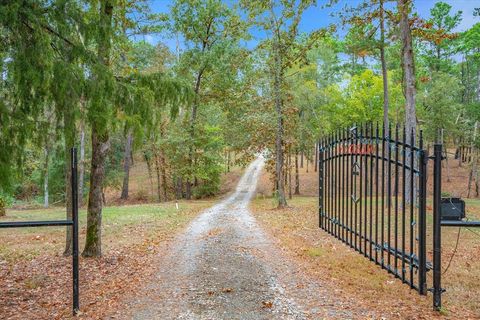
(320, 183)
(365, 191)
(74, 186)
(422, 219)
(360, 197)
(329, 185)
(396, 201)
(389, 196)
(336, 197)
(348, 191)
(437, 237)
(404, 184)
(354, 190)
(370, 153)
(376, 193)
(412, 201)
(382, 242)
(342, 138)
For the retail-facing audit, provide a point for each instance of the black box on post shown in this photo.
(452, 209)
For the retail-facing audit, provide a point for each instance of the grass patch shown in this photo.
(121, 225)
(314, 252)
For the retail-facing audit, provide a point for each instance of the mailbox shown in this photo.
(452, 209)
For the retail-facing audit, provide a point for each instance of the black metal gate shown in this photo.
(372, 196)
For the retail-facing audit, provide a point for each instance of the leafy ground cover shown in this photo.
(327, 259)
(36, 278)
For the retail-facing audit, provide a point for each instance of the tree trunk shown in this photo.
(473, 171)
(307, 157)
(384, 66)
(45, 178)
(228, 161)
(478, 89)
(193, 119)
(163, 170)
(157, 170)
(100, 146)
(81, 164)
(126, 164)
(297, 176)
(409, 79)
(282, 201)
(179, 188)
(289, 176)
(408, 66)
(148, 160)
(316, 156)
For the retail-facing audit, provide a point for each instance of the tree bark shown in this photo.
(473, 171)
(289, 176)
(148, 160)
(478, 89)
(193, 119)
(157, 170)
(45, 178)
(297, 176)
(408, 66)
(126, 164)
(282, 201)
(179, 188)
(100, 146)
(408, 79)
(164, 175)
(81, 164)
(384, 66)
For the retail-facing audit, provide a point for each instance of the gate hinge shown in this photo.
(432, 289)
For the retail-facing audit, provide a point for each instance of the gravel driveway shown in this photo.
(225, 267)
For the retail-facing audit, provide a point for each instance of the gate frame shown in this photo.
(73, 223)
(330, 224)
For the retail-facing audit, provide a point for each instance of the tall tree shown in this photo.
(211, 29)
(408, 65)
(369, 19)
(100, 144)
(439, 33)
(281, 19)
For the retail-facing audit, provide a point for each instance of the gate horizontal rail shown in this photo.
(25, 224)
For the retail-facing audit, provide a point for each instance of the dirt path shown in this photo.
(225, 267)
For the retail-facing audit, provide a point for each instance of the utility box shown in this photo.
(452, 209)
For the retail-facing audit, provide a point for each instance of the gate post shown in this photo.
(422, 223)
(320, 184)
(74, 186)
(437, 236)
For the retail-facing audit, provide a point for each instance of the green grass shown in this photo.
(121, 225)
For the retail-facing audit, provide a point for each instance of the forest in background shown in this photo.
(75, 74)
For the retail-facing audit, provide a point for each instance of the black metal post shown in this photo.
(74, 186)
(422, 220)
(437, 239)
